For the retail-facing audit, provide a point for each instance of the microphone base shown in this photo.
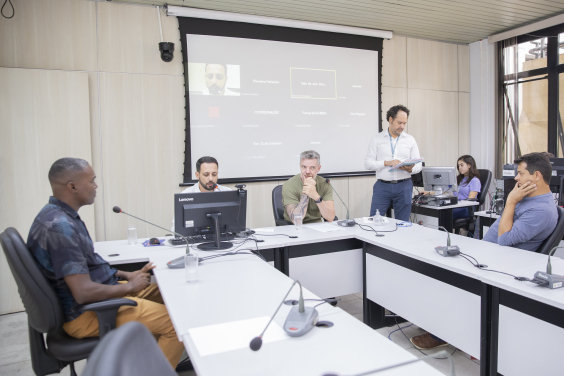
(212, 246)
(347, 223)
(448, 251)
(297, 324)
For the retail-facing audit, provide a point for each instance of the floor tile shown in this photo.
(14, 342)
(462, 365)
(398, 337)
(352, 307)
(359, 294)
(359, 316)
(346, 298)
(17, 369)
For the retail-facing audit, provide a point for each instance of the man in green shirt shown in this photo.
(307, 194)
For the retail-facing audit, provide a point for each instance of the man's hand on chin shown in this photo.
(520, 192)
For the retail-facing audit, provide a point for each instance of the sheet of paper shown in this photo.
(263, 230)
(325, 227)
(215, 339)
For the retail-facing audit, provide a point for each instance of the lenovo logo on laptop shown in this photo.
(186, 199)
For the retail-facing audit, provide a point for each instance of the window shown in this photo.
(530, 84)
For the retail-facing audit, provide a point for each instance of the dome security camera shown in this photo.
(167, 49)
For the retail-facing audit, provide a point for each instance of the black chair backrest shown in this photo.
(42, 305)
(485, 181)
(116, 356)
(277, 205)
(553, 239)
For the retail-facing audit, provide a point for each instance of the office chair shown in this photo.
(553, 239)
(469, 223)
(45, 313)
(278, 207)
(115, 356)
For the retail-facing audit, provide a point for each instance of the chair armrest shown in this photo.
(472, 199)
(106, 312)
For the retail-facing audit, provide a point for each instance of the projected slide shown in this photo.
(255, 105)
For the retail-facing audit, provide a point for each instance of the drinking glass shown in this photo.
(131, 235)
(298, 220)
(191, 267)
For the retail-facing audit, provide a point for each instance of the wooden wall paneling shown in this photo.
(341, 185)
(259, 203)
(129, 40)
(142, 149)
(463, 123)
(49, 34)
(432, 65)
(464, 68)
(394, 62)
(434, 124)
(360, 195)
(44, 116)
(391, 96)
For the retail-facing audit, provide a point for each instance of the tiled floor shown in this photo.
(14, 345)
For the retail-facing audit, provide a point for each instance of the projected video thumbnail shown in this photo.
(214, 78)
(313, 83)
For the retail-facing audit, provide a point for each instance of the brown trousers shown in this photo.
(150, 311)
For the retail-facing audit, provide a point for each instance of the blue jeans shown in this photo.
(400, 194)
(460, 213)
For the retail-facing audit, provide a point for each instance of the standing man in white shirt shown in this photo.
(388, 149)
(206, 173)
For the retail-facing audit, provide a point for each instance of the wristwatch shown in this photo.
(320, 199)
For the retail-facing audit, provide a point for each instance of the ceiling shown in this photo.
(458, 21)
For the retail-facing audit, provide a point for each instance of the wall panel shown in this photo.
(129, 40)
(394, 62)
(44, 116)
(464, 68)
(50, 34)
(360, 195)
(464, 123)
(434, 124)
(142, 149)
(432, 65)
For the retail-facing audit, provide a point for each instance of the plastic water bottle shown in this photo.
(378, 218)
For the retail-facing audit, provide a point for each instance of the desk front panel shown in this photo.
(445, 310)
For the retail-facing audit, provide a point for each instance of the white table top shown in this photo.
(243, 287)
(530, 290)
(460, 204)
(488, 215)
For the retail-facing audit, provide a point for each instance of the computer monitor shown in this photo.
(218, 214)
(439, 179)
(417, 179)
(557, 174)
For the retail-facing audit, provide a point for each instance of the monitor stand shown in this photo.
(217, 244)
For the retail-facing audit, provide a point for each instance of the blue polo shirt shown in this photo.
(61, 244)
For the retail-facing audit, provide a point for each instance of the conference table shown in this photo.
(439, 215)
(400, 271)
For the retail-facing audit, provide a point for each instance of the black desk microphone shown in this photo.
(449, 250)
(347, 222)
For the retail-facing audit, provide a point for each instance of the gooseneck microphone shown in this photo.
(256, 342)
(439, 354)
(552, 281)
(449, 250)
(548, 265)
(347, 222)
(118, 210)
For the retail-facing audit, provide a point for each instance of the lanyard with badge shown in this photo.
(392, 146)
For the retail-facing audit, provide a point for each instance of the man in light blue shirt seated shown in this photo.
(530, 213)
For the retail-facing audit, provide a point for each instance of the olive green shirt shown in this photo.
(292, 193)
